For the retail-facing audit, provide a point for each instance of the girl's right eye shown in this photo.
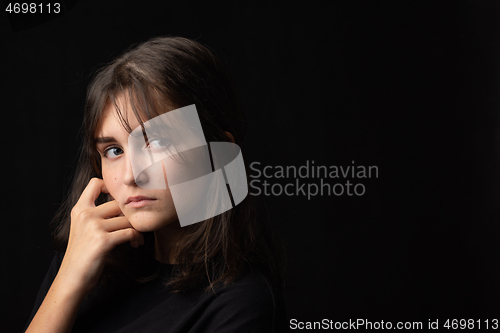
(112, 152)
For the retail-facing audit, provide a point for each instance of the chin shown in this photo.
(149, 221)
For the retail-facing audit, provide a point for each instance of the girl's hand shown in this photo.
(94, 232)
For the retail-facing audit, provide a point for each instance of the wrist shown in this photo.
(69, 285)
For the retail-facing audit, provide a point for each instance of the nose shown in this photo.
(130, 180)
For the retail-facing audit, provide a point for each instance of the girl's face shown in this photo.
(146, 209)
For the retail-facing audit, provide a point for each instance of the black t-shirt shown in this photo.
(250, 304)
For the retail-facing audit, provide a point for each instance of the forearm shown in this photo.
(58, 310)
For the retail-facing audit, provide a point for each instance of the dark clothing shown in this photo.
(251, 304)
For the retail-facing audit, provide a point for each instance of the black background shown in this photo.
(412, 88)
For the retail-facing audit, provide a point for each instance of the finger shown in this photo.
(108, 209)
(91, 192)
(116, 223)
(126, 235)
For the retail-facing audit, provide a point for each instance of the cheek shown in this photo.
(111, 180)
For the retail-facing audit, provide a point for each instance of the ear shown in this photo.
(230, 136)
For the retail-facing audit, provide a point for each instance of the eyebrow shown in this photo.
(137, 134)
(104, 139)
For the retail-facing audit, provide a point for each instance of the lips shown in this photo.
(139, 201)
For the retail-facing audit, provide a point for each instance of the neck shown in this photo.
(165, 239)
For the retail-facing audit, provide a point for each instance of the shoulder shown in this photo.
(250, 304)
(53, 269)
(58, 258)
(46, 283)
(252, 289)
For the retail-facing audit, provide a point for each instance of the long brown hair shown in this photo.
(159, 75)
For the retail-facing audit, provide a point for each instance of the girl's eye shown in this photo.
(157, 143)
(112, 152)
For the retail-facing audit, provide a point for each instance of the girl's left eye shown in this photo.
(157, 143)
